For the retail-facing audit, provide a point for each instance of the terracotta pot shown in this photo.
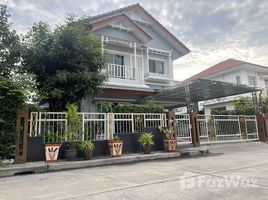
(115, 147)
(88, 155)
(147, 149)
(52, 152)
(71, 154)
(170, 145)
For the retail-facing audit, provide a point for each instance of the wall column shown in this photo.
(135, 61)
(22, 132)
(194, 130)
(262, 127)
(102, 47)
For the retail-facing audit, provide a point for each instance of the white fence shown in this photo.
(102, 126)
(183, 128)
(227, 128)
(94, 126)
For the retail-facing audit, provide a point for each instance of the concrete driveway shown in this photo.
(231, 171)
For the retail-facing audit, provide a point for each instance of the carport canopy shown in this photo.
(185, 93)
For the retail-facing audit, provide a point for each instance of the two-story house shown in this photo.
(139, 52)
(237, 72)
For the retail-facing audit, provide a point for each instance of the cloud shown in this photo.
(213, 30)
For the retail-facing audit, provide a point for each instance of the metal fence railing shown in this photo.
(103, 126)
(94, 126)
(183, 128)
(226, 128)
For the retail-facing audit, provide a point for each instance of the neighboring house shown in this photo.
(140, 54)
(237, 72)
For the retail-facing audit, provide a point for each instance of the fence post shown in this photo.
(83, 126)
(22, 132)
(262, 128)
(194, 130)
(110, 126)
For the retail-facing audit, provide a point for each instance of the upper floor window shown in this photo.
(266, 85)
(156, 66)
(252, 81)
(238, 80)
(116, 59)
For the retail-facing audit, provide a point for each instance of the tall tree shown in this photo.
(67, 62)
(9, 45)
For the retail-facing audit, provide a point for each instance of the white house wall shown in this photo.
(117, 34)
(243, 71)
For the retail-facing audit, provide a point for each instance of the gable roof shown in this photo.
(227, 64)
(138, 7)
(104, 21)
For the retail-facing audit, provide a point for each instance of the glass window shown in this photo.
(252, 81)
(238, 81)
(266, 85)
(156, 66)
(116, 59)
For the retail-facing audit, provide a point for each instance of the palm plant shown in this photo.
(87, 145)
(146, 139)
(72, 132)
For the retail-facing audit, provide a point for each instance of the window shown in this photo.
(266, 85)
(116, 59)
(238, 81)
(252, 81)
(156, 66)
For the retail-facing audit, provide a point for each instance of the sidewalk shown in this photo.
(40, 167)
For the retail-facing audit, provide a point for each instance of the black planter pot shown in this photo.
(88, 155)
(147, 149)
(71, 154)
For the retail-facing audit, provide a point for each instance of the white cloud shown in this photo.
(213, 30)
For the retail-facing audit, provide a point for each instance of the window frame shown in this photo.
(238, 80)
(156, 71)
(250, 78)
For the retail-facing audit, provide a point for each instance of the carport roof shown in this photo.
(200, 90)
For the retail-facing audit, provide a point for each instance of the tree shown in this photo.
(67, 62)
(10, 51)
(244, 106)
(11, 99)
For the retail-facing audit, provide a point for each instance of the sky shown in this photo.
(213, 30)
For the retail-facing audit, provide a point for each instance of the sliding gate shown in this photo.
(227, 128)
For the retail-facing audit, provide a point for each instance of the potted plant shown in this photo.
(72, 133)
(87, 147)
(51, 147)
(146, 140)
(115, 146)
(170, 141)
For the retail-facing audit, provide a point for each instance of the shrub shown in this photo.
(137, 108)
(11, 99)
(244, 106)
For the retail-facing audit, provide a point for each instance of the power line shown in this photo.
(49, 9)
(55, 7)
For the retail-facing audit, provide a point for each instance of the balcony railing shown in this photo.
(156, 75)
(120, 71)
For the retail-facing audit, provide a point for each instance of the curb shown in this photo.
(110, 161)
(22, 169)
(42, 167)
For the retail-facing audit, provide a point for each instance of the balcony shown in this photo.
(157, 77)
(121, 71)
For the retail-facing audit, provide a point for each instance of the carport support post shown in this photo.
(188, 98)
(262, 128)
(194, 130)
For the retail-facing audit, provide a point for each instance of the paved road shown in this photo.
(232, 171)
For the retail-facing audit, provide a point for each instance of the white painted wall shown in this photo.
(245, 70)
